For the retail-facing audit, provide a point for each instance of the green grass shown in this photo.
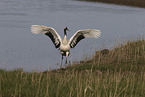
(118, 72)
(137, 3)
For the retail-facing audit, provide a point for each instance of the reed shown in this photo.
(116, 72)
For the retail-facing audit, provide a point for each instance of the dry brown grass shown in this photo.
(118, 72)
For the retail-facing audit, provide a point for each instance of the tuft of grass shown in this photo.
(117, 72)
(127, 56)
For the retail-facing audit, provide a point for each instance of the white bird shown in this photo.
(64, 45)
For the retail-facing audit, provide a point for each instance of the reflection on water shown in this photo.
(20, 48)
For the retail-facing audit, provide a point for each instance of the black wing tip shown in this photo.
(57, 46)
(80, 37)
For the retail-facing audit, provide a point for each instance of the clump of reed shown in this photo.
(131, 52)
(116, 72)
(72, 84)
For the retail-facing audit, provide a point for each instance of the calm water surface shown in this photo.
(20, 48)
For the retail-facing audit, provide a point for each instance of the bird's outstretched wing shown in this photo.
(50, 32)
(81, 34)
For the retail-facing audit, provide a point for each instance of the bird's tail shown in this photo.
(36, 29)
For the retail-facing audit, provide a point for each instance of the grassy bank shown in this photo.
(137, 3)
(118, 72)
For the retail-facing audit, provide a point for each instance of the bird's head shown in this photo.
(65, 28)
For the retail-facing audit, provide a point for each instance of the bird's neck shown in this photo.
(65, 37)
(65, 34)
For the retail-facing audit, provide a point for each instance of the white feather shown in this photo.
(94, 33)
(81, 34)
(91, 33)
(36, 29)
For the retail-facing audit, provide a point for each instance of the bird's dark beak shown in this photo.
(68, 30)
(65, 28)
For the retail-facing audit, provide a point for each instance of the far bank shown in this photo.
(135, 3)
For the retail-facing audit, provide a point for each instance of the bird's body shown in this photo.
(64, 48)
(65, 45)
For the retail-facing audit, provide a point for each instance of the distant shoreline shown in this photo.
(135, 3)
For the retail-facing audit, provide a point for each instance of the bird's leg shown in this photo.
(61, 62)
(66, 61)
(67, 54)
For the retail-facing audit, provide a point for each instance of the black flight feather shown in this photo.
(76, 40)
(52, 37)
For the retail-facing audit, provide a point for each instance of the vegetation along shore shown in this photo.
(137, 3)
(117, 72)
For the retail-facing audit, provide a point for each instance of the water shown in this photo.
(19, 48)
